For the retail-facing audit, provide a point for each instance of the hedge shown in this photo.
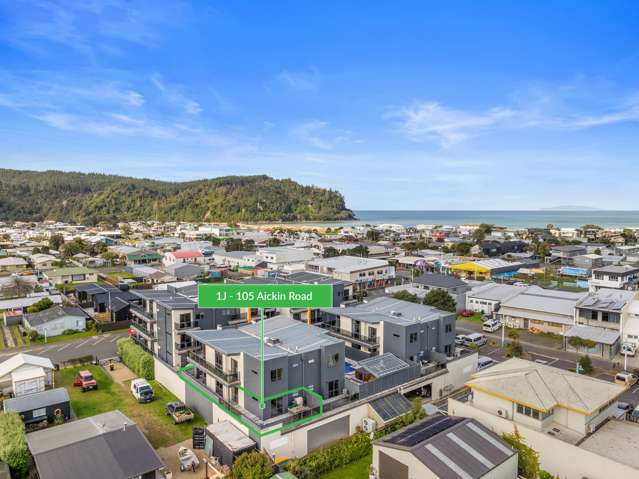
(13, 444)
(349, 449)
(136, 358)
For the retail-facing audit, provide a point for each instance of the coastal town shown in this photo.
(447, 351)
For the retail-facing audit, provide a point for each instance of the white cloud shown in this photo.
(174, 94)
(300, 80)
(316, 133)
(432, 121)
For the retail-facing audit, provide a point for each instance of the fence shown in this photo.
(106, 327)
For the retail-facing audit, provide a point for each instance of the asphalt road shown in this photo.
(103, 346)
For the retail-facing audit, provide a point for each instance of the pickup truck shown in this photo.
(179, 412)
(85, 381)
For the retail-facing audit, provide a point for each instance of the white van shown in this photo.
(629, 349)
(491, 325)
(484, 362)
(475, 339)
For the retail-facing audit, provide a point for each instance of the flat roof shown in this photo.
(439, 280)
(231, 436)
(383, 365)
(495, 292)
(616, 440)
(390, 310)
(348, 264)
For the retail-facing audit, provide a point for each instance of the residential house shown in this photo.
(143, 257)
(412, 332)
(236, 259)
(41, 406)
(278, 257)
(566, 254)
(486, 268)
(25, 374)
(183, 256)
(295, 355)
(493, 247)
(105, 446)
(12, 264)
(363, 273)
(444, 447)
(615, 277)
(78, 274)
(55, 320)
(42, 262)
(588, 261)
(545, 310)
(452, 285)
(567, 418)
(184, 271)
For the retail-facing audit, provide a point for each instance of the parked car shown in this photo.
(623, 409)
(179, 412)
(475, 339)
(459, 339)
(85, 381)
(188, 459)
(491, 325)
(629, 349)
(484, 362)
(467, 313)
(142, 390)
(626, 378)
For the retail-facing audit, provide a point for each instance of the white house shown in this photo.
(55, 320)
(364, 273)
(12, 264)
(25, 374)
(277, 257)
(614, 277)
(183, 256)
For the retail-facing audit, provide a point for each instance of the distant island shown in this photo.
(570, 208)
(93, 198)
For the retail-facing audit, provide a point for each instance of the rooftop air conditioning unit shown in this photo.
(369, 425)
(272, 341)
(502, 413)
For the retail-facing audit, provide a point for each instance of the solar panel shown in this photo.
(392, 406)
(424, 430)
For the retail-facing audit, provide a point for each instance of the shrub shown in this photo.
(440, 299)
(586, 364)
(33, 335)
(528, 465)
(136, 359)
(251, 465)
(13, 443)
(44, 303)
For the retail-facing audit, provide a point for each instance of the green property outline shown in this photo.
(262, 400)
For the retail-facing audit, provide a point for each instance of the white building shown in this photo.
(614, 277)
(277, 257)
(487, 297)
(25, 374)
(364, 273)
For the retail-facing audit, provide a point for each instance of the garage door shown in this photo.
(390, 468)
(327, 433)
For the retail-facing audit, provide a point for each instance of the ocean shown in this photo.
(513, 219)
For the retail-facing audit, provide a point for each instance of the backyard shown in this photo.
(150, 417)
(355, 470)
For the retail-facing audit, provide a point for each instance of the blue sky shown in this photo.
(400, 105)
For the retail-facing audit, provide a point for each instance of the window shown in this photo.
(449, 328)
(447, 350)
(219, 388)
(396, 335)
(40, 412)
(533, 413)
(412, 338)
(277, 407)
(276, 375)
(218, 360)
(333, 360)
(333, 388)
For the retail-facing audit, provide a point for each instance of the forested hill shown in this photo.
(93, 198)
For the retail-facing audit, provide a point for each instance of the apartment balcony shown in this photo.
(143, 331)
(141, 313)
(226, 377)
(352, 336)
(234, 408)
(183, 347)
(183, 326)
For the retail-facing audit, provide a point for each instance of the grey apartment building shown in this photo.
(161, 319)
(295, 355)
(413, 332)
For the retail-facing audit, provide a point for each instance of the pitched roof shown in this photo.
(53, 313)
(182, 254)
(106, 446)
(69, 271)
(37, 400)
(21, 359)
(451, 447)
(544, 387)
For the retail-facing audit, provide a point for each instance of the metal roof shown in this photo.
(452, 447)
(607, 299)
(230, 436)
(106, 446)
(53, 313)
(233, 341)
(538, 300)
(439, 280)
(495, 292)
(390, 310)
(37, 400)
(623, 269)
(598, 335)
(348, 264)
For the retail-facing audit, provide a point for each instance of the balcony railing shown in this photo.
(181, 347)
(216, 371)
(142, 330)
(140, 312)
(223, 402)
(350, 335)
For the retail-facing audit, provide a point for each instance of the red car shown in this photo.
(467, 313)
(84, 379)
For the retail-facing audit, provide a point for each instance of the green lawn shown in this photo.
(66, 337)
(355, 470)
(120, 275)
(475, 317)
(156, 425)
